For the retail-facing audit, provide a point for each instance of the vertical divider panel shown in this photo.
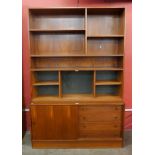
(60, 83)
(85, 31)
(94, 84)
(121, 93)
(33, 89)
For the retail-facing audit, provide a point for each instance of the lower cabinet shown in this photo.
(76, 124)
(54, 122)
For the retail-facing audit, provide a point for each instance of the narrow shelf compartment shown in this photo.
(103, 82)
(45, 83)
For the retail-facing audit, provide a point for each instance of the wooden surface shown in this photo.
(81, 39)
(63, 123)
(54, 122)
(86, 98)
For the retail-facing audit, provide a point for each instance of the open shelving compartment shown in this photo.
(64, 42)
(57, 19)
(57, 43)
(57, 32)
(46, 83)
(108, 83)
(106, 22)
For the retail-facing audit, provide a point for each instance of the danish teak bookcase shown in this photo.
(77, 57)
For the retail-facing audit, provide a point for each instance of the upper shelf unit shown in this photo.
(57, 19)
(106, 22)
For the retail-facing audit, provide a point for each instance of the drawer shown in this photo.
(100, 130)
(100, 113)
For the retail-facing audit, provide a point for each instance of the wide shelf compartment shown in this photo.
(59, 19)
(105, 21)
(105, 46)
(57, 43)
(78, 63)
(82, 99)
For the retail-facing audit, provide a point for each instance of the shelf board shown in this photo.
(81, 99)
(44, 56)
(105, 36)
(50, 30)
(108, 82)
(46, 83)
(76, 69)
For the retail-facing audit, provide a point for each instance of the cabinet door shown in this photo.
(100, 121)
(54, 122)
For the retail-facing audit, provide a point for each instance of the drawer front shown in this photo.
(100, 113)
(100, 121)
(100, 130)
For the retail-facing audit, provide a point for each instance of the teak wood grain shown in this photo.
(77, 39)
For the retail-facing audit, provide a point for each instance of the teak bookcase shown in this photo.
(77, 57)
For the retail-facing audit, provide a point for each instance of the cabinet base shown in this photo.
(115, 143)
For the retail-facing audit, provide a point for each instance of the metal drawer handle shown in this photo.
(76, 103)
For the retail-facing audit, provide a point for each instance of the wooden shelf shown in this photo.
(61, 30)
(46, 83)
(44, 56)
(35, 56)
(108, 82)
(81, 99)
(76, 69)
(105, 36)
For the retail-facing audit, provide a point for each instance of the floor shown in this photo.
(127, 150)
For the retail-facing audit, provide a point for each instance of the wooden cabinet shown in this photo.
(75, 123)
(54, 122)
(77, 77)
